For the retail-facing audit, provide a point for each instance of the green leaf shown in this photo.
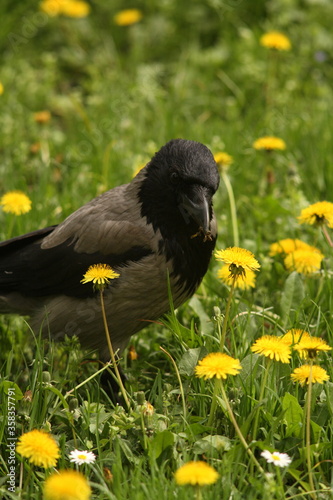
(12, 390)
(251, 369)
(293, 415)
(160, 442)
(206, 324)
(209, 444)
(190, 359)
(292, 296)
(316, 430)
(126, 449)
(329, 396)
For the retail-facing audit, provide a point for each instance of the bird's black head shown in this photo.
(178, 187)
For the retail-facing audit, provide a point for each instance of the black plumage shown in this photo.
(161, 223)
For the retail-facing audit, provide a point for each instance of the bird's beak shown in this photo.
(196, 207)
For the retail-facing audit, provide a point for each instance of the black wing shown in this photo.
(33, 271)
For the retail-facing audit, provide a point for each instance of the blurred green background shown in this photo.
(117, 93)
(84, 102)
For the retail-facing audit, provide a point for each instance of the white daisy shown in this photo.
(82, 457)
(276, 458)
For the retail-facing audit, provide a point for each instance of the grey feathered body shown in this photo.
(40, 273)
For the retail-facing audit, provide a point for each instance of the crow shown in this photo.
(157, 231)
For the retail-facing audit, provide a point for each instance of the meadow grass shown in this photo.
(116, 95)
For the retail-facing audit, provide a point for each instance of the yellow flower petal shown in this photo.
(127, 17)
(272, 347)
(39, 448)
(319, 213)
(269, 143)
(51, 7)
(223, 159)
(303, 261)
(275, 40)
(67, 485)
(75, 8)
(309, 347)
(70, 8)
(294, 336)
(244, 281)
(99, 274)
(217, 364)
(196, 473)
(15, 202)
(289, 245)
(302, 374)
(238, 259)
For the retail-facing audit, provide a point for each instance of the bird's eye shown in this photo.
(174, 177)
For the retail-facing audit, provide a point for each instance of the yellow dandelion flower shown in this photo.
(75, 8)
(67, 485)
(99, 274)
(269, 143)
(39, 448)
(309, 347)
(197, 473)
(223, 160)
(275, 40)
(302, 374)
(127, 17)
(303, 261)
(293, 336)
(15, 202)
(243, 281)
(51, 7)
(70, 8)
(238, 259)
(289, 245)
(319, 213)
(272, 347)
(217, 364)
(42, 116)
(2, 88)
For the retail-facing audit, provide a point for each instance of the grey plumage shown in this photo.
(160, 223)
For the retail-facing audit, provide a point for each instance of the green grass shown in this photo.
(116, 95)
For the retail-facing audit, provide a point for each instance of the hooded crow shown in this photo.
(158, 229)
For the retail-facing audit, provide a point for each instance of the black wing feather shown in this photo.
(33, 271)
(18, 242)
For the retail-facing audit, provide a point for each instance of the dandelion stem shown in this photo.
(113, 358)
(272, 64)
(179, 381)
(227, 312)
(232, 203)
(237, 429)
(327, 236)
(10, 227)
(261, 397)
(198, 495)
(144, 433)
(105, 367)
(214, 402)
(308, 430)
(21, 479)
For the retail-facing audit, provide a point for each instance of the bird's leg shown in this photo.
(207, 235)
